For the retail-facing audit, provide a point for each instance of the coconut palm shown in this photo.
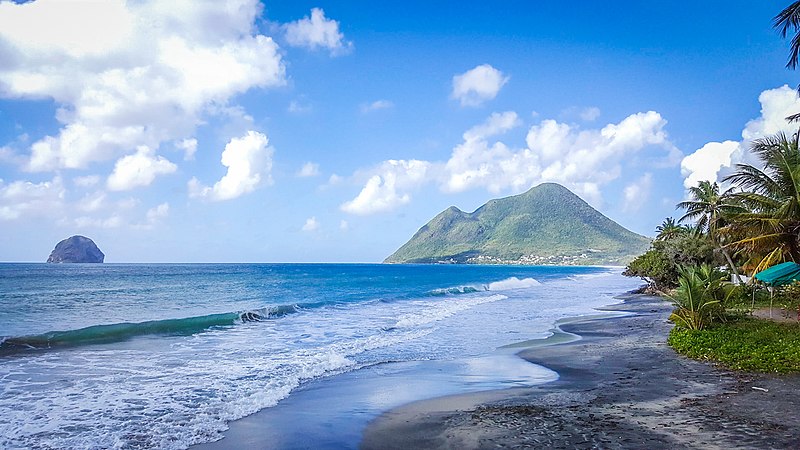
(669, 229)
(769, 227)
(785, 22)
(709, 209)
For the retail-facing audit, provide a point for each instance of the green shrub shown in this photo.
(660, 266)
(699, 297)
(746, 344)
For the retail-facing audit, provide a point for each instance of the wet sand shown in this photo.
(620, 386)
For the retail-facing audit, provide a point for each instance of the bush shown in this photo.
(746, 344)
(699, 297)
(660, 266)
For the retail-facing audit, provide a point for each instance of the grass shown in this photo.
(746, 344)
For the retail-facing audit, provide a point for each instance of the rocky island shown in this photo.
(546, 225)
(76, 249)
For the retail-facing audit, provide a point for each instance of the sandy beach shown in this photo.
(620, 386)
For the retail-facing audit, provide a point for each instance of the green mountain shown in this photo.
(546, 225)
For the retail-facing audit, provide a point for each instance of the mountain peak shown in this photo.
(548, 224)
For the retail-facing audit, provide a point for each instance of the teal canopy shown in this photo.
(779, 275)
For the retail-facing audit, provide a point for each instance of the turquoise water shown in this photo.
(165, 356)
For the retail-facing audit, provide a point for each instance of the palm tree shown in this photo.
(669, 229)
(786, 21)
(709, 209)
(769, 228)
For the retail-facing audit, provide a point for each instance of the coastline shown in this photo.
(619, 386)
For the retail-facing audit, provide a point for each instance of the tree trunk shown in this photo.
(730, 263)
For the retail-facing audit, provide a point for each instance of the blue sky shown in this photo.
(331, 131)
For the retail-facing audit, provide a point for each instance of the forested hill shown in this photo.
(546, 225)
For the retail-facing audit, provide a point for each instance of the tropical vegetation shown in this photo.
(746, 224)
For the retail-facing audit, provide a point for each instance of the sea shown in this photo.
(168, 355)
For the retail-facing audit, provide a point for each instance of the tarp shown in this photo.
(780, 275)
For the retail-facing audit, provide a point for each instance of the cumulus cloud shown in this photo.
(155, 74)
(317, 32)
(388, 186)
(474, 162)
(139, 169)
(26, 199)
(714, 160)
(189, 147)
(92, 202)
(309, 169)
(636, 194)
(153, 217)
(311, 224)
(475, 86)
(157, 213)
(376, 106)
(249, 163)
(707, 161)
(583, 160)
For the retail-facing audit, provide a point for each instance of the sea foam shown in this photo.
(512, 283)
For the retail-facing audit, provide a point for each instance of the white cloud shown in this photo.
(113, 221)
(92, 202)
(86, 181)
(586, 113)
(139, 169)
(189, 147)
(157, 72)
(583, 160)
(590, 114)
(25, 199)
(714, 160)
(114, 214)
(317, 32)
(706, 162)
(153, 217)
(157, 213)
(311, 224)
(344, 226)
(478, 85)
(496, 124)
(309, 169)
(249, 163)
(388, 187)
(637, 193)
(474, 161)
(376, 106)
(299, 107)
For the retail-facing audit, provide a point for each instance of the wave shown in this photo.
(512, 283)
(103, 334)
(456, 290)
(503, 285)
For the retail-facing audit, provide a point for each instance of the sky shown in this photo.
(242, 131)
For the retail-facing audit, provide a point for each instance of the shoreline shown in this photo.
(619, 386)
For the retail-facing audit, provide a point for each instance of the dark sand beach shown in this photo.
(620, 386)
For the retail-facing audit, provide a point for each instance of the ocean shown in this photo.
(167, 355)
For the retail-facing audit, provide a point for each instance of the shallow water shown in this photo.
(165, 356)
